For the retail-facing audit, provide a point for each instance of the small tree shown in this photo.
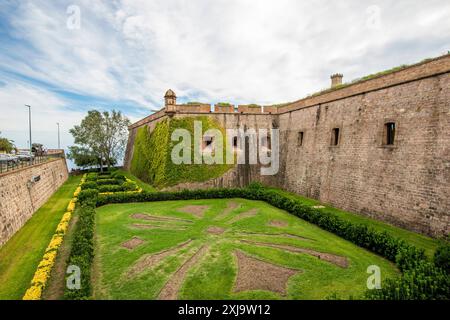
(6, 145)
(101, 135)
(83, 157)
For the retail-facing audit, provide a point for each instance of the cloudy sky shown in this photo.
(66, 57)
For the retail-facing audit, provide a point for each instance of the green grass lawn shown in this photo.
(212, 272)
(420, 241)
(20, 256)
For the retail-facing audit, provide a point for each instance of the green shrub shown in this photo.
(82, 252)
(423, 282)
(88, 196)
(119, 176)
(442, 257)
(129, 186)
(89, 185)
(110, 188)
(92, 176)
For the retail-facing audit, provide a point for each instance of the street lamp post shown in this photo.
(59, 144)
(29, 127)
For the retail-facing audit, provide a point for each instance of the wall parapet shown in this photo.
(421, 70)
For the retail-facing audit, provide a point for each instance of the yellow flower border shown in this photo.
(44, 268)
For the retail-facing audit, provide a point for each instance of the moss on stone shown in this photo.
(152, 161)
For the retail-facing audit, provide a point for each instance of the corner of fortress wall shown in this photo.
(20, 199)
(406, 184)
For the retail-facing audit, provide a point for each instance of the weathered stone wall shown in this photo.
(407, 184)
(20, 199)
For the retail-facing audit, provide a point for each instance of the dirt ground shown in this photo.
(255, 274)
(197, 211)
(146, 216)
(215, 230)
(278, 223)
(132, 243)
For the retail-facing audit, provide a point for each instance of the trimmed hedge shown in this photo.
(421, 279)
(110, 188)
(118, 175)
(89, 185)
(442, 257)
(102, 182)
(93, 176)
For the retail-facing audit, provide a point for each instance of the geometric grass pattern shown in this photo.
(253, 274)
(222, 249)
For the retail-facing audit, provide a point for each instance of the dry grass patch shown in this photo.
(255, 274)
(132, 243)
(197, 211)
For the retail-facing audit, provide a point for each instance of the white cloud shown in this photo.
(47, 110)
(241, 51)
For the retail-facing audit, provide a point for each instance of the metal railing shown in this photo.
(6, 166)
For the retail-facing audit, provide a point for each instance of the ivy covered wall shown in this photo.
(152, 161)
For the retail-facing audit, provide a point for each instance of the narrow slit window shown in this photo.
(389, 133)
(335, 137)
(300, 138)
(235, 142)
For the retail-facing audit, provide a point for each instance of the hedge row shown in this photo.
(82, 252)
(421, 279)
(110, 185)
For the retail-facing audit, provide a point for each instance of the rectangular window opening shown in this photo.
(389, 133)
(335, 137)
(300, 138)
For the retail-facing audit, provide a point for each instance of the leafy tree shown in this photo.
(101, 135)
(83, 157)
(6, 145)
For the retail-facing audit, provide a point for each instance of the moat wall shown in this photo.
(20, 199)
(406, 184)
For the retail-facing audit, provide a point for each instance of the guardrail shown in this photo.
(6, 166)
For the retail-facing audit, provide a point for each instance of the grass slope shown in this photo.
(20, 256)
(420, 241)
(428, 244)
(214, 275)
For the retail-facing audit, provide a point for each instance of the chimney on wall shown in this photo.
(336, 79)
(170, 98)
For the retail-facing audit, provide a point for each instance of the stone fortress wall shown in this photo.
(406, 183)
(24, 191)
